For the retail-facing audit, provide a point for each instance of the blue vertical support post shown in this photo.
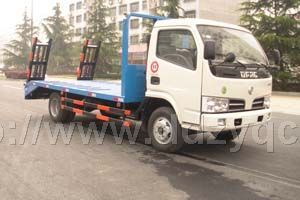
(133, 76)
(124, 53)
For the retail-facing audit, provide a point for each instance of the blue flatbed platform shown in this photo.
(107, 90)
(131, 88)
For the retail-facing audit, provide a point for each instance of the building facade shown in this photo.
(221, 10)
(78, 16)
(78, 13)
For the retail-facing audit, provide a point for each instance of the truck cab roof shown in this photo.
(195, 22)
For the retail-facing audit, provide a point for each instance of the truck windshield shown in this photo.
(245, 47)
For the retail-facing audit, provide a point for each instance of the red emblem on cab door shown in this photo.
(154, 67)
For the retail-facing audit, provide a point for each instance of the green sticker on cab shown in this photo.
(224, 90)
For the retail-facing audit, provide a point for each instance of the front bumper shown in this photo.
(215, 122)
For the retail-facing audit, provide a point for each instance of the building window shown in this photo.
(120, 25)
(134, 39)
(72, 7)
(78, 32)
(134, 24)
(90, 30)
(162, 2)
(122, 9)
(79, 5)
(79, 19)
(134, 7)
(178, 47)
(111, 2)
(71, 21)
(145, 5)
(190, 14)
(84, 30)
(113, 12)
(85, 17)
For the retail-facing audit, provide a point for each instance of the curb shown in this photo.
(290, 94)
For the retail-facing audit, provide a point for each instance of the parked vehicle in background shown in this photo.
(15, 74)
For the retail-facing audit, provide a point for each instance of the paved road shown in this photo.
(111, 171)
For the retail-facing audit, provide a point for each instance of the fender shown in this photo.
(169, 98)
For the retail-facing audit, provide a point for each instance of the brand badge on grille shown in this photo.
(251, 90)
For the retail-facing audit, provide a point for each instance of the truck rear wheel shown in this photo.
(165, 131)
(227, 135)
(56, 113)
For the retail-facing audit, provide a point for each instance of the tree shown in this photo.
(171, 9)
(57, 29)
(276, 25)
(16, 52)
(99, 30)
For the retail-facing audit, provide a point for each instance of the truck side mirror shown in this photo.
(209, 50)
(277, 57)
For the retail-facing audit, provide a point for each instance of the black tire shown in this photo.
(174, 140)
(56, 113)
(227, 135)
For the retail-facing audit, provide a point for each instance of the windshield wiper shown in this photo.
(261, 64)
(231, 58)
(255, 62)
(241, 64)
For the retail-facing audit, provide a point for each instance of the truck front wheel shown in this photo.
(165, 131)
(56, 113)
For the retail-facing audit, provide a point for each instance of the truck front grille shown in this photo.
(236, 105)
(258, 103)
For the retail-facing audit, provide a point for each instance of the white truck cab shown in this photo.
(214, 75)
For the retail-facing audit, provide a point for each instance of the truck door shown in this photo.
(174, 72)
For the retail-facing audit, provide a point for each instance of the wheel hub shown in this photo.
(163, 130)
(54, 107)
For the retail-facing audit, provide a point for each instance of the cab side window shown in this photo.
(178, 47)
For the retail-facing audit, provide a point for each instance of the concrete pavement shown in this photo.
(111, 171)
(282, 103)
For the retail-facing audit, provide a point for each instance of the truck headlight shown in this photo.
(267, 102)
(215, 104)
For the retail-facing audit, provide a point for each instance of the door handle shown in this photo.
(155, 80)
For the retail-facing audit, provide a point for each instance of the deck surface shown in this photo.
(109, 90)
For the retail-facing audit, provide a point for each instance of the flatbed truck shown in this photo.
(201, 75)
